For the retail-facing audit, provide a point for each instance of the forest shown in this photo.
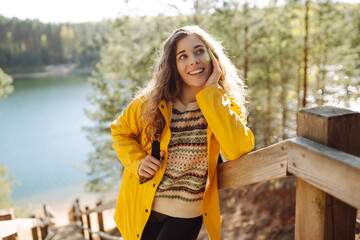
(294, 55)
(28, 45)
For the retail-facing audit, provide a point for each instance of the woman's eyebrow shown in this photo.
(180, 52)
(197, 46)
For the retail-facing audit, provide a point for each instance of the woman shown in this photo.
(194, 106)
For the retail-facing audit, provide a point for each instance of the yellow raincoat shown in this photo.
(226, 131)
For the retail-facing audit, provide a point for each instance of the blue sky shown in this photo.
(93, 10)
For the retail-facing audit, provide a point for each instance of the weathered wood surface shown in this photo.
(322, 166)
(102, 207)
(334, 172)
(10, 227)
(262, 165)
(68, 232)
(100, 220)
(320, 215)
(7, 214)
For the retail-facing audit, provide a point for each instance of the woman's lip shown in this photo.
(201, 70)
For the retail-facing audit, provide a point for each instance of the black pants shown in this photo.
(163, 227)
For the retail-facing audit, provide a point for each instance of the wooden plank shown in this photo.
(262, 165)
(88, 222)
(337, 128)
(334, 172)
(102, 207)
(8, 214)
(10, 227)
(34, 233)
(100, 220)
(44, 229)
(312, 206)
(78, 215)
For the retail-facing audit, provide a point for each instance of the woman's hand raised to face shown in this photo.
(215, 76)
(150, 166)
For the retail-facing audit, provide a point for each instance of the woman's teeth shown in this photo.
(197, 71)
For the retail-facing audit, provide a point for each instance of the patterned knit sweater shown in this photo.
(182, 188)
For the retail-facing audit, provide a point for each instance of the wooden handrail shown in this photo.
(102, 207)
(334, 172)
(258, 166)
(10, 227)
(330, 170)
(78, 214)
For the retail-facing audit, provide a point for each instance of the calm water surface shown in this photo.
(41, 141)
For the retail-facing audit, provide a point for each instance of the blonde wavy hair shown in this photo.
(166, 82)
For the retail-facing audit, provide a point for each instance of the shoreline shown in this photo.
(54, 70)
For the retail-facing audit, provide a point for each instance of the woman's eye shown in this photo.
(200, 51)
(182, 56)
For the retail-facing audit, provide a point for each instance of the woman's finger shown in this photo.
(213, 59)
(150, 166)
(215, 76)
(144, 174)
(153, 164)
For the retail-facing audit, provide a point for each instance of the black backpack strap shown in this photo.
(155, 152)
(155, 149)
(220, 160)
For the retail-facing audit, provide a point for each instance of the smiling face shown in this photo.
(193, 63)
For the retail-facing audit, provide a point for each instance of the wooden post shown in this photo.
(8, 214)
(44, 229)
(79, 217)
(319, 215)
(34, 231)
(88, 222)
(100, 220)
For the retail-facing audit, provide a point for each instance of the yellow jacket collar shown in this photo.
(165, 109)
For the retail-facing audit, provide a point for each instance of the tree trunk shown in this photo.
(306, 50)
(246, 45)
(284, 92)
(298, 88)
(197, 12)
(269, 106)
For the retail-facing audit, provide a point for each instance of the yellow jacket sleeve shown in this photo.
(125, 133)
(224, 119)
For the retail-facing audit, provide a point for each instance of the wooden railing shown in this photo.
(9, 226)
(78, 215)
(324, 158)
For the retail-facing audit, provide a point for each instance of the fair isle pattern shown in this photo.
(184, 180)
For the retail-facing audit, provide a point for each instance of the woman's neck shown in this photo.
(188, 95)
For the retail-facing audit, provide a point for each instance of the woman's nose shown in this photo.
(194, 59)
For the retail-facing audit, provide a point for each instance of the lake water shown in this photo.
(41, 138)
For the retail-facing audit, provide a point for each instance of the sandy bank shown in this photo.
(54, 70)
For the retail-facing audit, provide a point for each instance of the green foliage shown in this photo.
(5, 84)
(6, 183)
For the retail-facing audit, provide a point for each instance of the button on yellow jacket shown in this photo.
(226, 131)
